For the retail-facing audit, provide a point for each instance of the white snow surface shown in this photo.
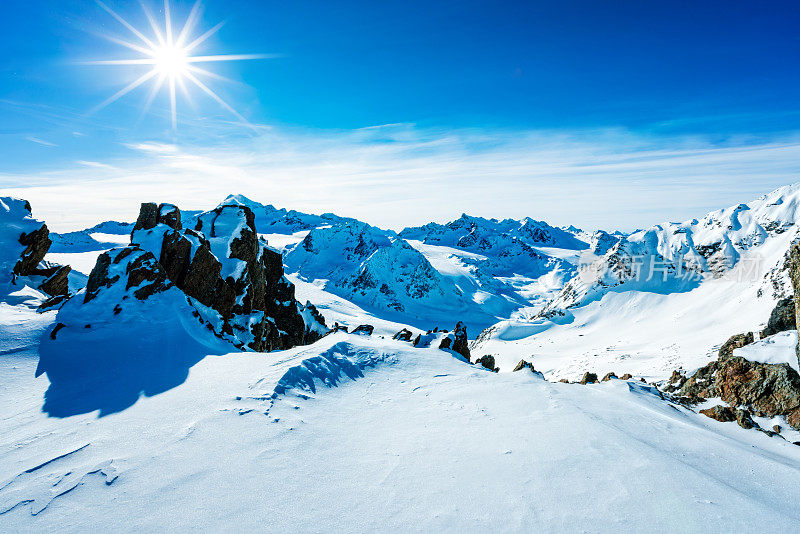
(606, 321)
(777, 348)
(360, 434)
(153, 426)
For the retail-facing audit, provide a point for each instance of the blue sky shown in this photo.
(458, 79)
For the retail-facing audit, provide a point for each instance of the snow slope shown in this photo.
(699, 283)
(361, 434)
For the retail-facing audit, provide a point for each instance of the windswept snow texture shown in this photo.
(358, 434)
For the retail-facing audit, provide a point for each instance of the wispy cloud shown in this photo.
(396, 175)
(34, 139)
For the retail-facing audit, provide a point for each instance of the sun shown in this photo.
(171, 61)
(170, 55)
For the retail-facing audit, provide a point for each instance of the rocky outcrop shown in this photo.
(36, 245)
(460, 342)
(720, 413)
(25, 243)
(403, 335)
(782, 318)
(487, 361)
(364, 329)
(522, 365)
(609, 376)
(235, 283)
(735, 342)
(588, 378)
(768, 389)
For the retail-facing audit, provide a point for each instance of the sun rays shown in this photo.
(169, 54)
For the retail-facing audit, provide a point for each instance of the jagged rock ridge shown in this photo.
(233, 281)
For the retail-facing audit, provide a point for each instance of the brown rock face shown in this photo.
(769, 389)
(609, 376)
(626, 376)
(735, 342)
(522, 365)
(222, 265)
(588, 378)
(720, 413)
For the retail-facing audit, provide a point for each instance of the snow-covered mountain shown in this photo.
(663, 297)
(146, 400)
(382, 272)
(482, 235)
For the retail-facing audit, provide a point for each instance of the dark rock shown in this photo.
(522, 365)
(460, 342)
(57, 283)
(52, 302)
(170, 215)
(98, 277)
(564, 381)
(339, 327)
(364, 329)
(777, 429)
(745, 420)
(36, 244)
(588, 378)
(403, 335)
(720, 413)
(254, 300)
(609, 376)
(626, 376)
(445, 343)
(793, 261)
(148, 216)
(147, 276)
(735, 342)
(58, 327)
(487, 361)
(782, 318)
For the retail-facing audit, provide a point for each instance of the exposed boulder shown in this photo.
(403, 335)
(460, 343)
(36, 244)
(745, 420)
(588, 378)
(768, 389)
(364, 329)
(446, 343)
(735, 342)
(782, 318)
(57, 281)
(721, 413)
(488, 362)
(626, 376)
(522, 365)
(609, 376)
(527, 365)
